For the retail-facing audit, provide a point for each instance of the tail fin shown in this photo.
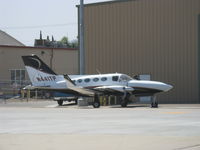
(41, 75)
(36, 63)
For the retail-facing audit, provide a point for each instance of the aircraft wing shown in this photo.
(79, 91)
(114, 89)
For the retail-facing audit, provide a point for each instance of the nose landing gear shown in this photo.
(154, 102)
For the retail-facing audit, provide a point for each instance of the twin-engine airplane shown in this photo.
(43, 78)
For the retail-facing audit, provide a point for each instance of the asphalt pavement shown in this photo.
(44, 125)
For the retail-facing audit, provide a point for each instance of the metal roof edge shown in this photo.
(107, 2)
(31, 47)
(11, 37)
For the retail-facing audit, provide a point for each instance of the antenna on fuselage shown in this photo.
(97, 70)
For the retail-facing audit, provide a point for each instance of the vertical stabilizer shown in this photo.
(41, 75)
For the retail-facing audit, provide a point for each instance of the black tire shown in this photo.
(154, 105)
(76, 102)
(124, 104)
(60, 102)
(96, 104)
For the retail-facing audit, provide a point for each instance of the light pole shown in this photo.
(81, 39)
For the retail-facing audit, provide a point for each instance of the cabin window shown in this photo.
(115, 78)
(87, 80)
(96, 79)
(103, 79)
(80, 80)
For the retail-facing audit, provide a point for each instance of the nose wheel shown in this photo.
(154, 102)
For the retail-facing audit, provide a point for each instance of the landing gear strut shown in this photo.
(154, 102)
(60, 102)
(124, 103)
(125, 99)
(96, 103)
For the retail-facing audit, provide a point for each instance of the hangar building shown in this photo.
(160, 38)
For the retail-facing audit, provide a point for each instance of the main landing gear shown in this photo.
(96, 103)
(60, 102)
(154, 102)
(125, 99)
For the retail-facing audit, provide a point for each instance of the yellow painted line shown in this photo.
(176, 112)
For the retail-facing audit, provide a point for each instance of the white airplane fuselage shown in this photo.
(120, 82)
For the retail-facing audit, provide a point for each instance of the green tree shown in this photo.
(74, 44)
(65, 41)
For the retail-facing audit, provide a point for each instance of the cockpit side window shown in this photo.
(125, 78)
(115, 78)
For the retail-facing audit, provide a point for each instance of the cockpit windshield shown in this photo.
(125, 78)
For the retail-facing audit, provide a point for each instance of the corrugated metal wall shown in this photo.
(157, 37)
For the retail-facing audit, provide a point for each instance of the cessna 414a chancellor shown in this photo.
(43, 78)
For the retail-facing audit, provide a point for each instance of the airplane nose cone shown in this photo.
(150, 85)
(168, 87)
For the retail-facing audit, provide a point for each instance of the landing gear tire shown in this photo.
(76, 102)
(154, 102)
(60, 102)
(154, 105)
(96, 104)
(124, 104)
(124, 101)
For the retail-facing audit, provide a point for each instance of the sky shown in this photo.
(23, 19)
